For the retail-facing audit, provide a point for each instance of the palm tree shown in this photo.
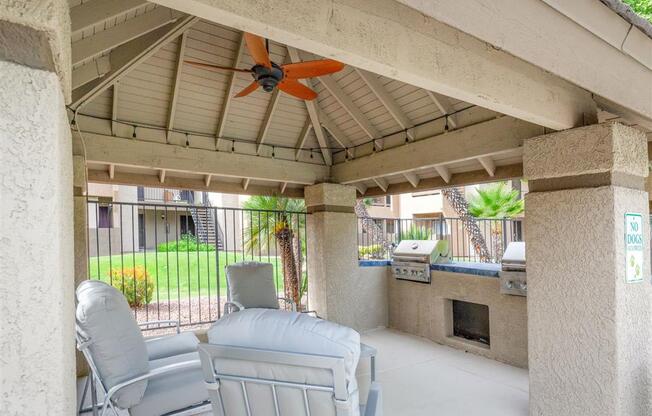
(457, 200)
(496, 202)
(277, 223)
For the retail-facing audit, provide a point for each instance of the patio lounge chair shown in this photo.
(148, 378)
(271, 362)
(250, 284)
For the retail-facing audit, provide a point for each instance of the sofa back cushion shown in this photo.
(252, 284)
(117, 344)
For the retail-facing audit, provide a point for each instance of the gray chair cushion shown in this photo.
(117, 344)
(252, 285)
(171, 345)
(172, 391)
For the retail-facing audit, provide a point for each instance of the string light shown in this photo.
(446, 124)
(232, 146)
(346, 153)
(187, 140)
(374, 146)
(134, 135)
(311, 156)
(273, 152)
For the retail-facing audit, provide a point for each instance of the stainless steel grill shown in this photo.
(411, 260)
(513, 277)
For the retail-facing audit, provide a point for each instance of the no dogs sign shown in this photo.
(633, 248)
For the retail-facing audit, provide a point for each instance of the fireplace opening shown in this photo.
(471, 322)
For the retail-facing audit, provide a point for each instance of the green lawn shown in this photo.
(181, 274)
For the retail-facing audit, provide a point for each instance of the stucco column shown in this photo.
(37, 368)
(333, 278)
(588, 317)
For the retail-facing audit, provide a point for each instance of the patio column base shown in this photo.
(332, 253)
(589, 309)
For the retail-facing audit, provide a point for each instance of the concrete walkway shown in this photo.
(421, 378)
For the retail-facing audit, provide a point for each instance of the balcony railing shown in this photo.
(378, 236)
(164, 195)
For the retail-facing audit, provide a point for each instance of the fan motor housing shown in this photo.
(268, 78)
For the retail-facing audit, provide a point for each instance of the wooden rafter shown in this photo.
(443, 172)
(90, 71)
(488, 164)
(336, 133)
(382, 183)
(444, 105)
(387, 101)
(94, 12)
(174, 94)
(114, 108)
(267, 121)
(230, 91)
(126, 57)
(313, 113)
(412, 177)
(109, 39)
(303, 136)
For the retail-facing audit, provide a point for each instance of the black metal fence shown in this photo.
(169, 259)
(378, 236)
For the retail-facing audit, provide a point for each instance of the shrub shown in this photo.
(134, 283)
(416, 233)
(187, 242)
(373, 251)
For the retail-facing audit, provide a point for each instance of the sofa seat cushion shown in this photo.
(172, 391)
(252, 284)
(168, 346)
(117, 344)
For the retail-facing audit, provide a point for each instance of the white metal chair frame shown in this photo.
(208, 353)
(93, 379)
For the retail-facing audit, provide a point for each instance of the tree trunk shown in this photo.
(461, 207)
(284, 237)
(374, 231)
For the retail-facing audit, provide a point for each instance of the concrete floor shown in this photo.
(420, 377)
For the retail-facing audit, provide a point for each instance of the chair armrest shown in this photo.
(233, 306)
(164, 321)
(168, 369)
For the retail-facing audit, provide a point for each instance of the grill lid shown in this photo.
(514, 256)
(415, 248)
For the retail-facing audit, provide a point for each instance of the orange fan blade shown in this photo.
(311, 69)
(257, 50)
(297, 89)
(250, 88)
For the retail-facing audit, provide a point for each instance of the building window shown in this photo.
(425, 193)
(104, 216)
(382, 201)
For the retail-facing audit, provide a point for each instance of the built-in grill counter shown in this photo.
(411, 259)
(513, 279)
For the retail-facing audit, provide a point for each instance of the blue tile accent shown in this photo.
(477, 269)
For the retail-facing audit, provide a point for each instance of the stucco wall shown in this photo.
(424, 310)
(373, 294)
(37, 368)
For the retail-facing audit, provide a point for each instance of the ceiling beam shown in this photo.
(245, 183)
(174, 94)
(267, 120)
(161, 175)
(155, 155)
(111, 171)
(412, 177)
(114, 108)
(207, 180)
(230, 92)
(399, 42)
(488, 164)
(445, 107)
(92, 70)
(111, 38)
(198, 184)
(303, 136)
(347, 103)
(388, 102)
(361, 187)
(282, 187)
(336, 133)
(458, 179)
(495, 136)
(444, 173)
(313, 113)
(382, 183)
(128, 56)
(91, 13)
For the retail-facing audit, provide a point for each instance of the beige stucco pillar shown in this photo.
(37, 368)
(588, 319)
(333, 278)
